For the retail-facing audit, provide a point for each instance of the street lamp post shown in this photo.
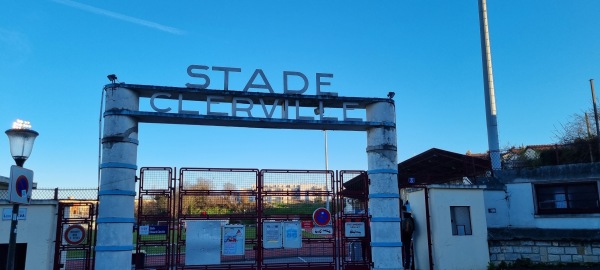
(321, 113)
(21, 138)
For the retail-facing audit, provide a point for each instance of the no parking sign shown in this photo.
(321, 216)
(20, 185)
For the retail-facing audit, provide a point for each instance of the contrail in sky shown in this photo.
(122, 17)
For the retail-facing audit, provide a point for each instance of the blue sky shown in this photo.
(55, 55)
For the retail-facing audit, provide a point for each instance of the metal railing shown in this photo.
(534, 156)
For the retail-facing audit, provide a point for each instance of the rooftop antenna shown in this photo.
(488, 86)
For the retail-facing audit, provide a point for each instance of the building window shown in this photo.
(567, 198)
(461, 220)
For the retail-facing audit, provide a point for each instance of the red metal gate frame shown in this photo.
(165, 191)
(360, 192)
(88, 222)
(182, 217)
(337, 192)
(329, 175)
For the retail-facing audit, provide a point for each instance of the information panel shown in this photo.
(272, 234)
(234, 239)
(203, 242)
(292, 234)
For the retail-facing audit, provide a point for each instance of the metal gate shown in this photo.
(354, 232)
(74, 235)
(228, 196)
(155, 214)
(250, 200)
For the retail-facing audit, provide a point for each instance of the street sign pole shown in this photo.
(20, 185)
(12, 244)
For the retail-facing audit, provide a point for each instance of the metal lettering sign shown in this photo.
(195, 71)
(195, 105)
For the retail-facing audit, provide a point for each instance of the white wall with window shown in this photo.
(570, 204)
(458, 227)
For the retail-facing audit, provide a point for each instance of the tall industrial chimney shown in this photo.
(488, 86)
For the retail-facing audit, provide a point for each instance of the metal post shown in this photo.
(10, 260)
(595, 113)
(589, 132)
(326, 173)
(488, 87)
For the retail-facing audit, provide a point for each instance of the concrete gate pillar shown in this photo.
(384, 204)
(117, 182)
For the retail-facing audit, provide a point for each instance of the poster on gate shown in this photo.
(203, 242)
(292, 234)
(234, 240)
(272, 234)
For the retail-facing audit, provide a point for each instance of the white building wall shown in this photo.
(37, 230)
(497, 208)
(420, 244)
(521, 209)
(450, 251)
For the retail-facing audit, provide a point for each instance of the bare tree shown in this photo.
(580, 126)
(198, 203)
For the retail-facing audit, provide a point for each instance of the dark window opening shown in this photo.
(461, 220)
(567, 198)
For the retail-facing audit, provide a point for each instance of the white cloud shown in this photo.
(121, 17)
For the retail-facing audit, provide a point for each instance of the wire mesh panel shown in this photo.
(224, 197)
(155, 218)
(75, 235)
(354, 233)
(77, 194)
(293, 197)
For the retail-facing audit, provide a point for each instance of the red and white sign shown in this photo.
(307, 225)
(322, 216)
(20, 185)
(74, 234)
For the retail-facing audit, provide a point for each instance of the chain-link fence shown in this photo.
(78, 194)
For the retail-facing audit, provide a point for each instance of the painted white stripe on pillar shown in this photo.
(114, 207)
(383, 157)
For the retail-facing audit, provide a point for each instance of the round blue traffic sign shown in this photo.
(321, 216)
(22, 184)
